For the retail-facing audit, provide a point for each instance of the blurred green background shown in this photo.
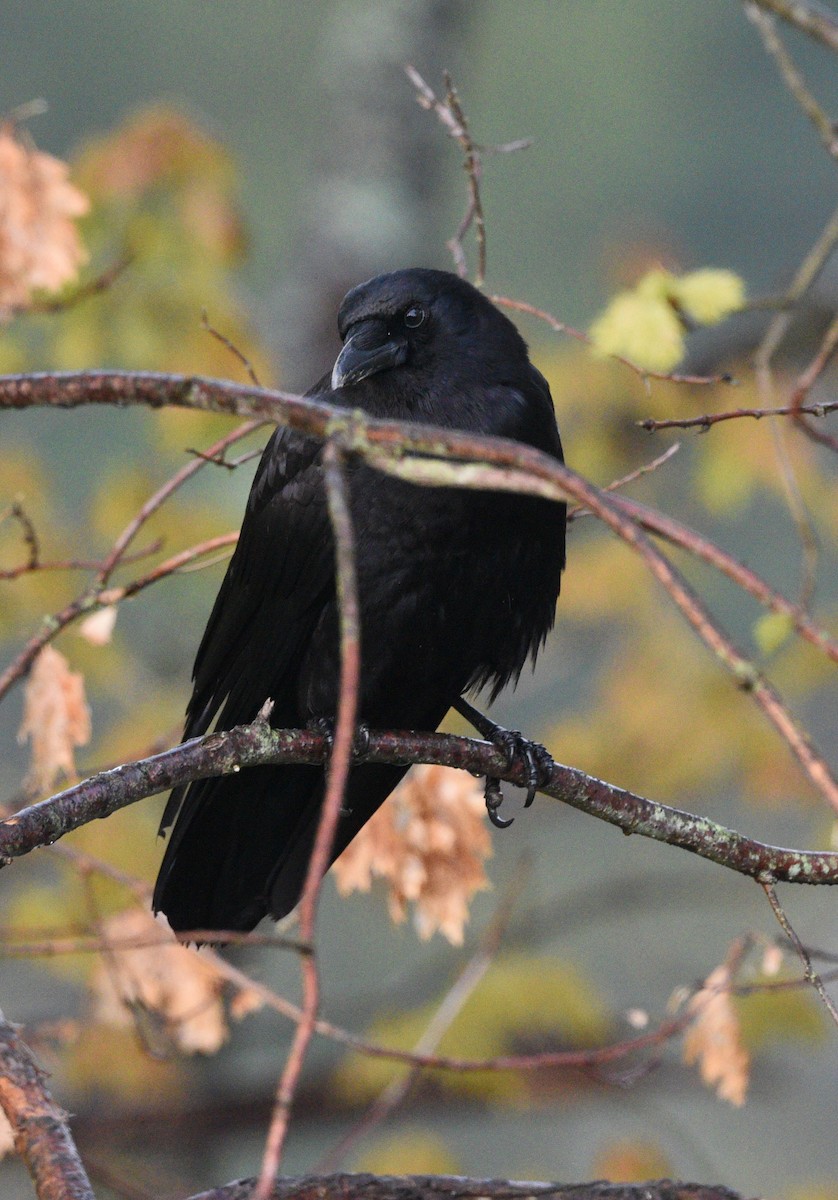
(303, 165)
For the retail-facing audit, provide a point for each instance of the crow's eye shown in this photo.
(414, 316)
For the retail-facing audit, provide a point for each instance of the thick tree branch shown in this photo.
(250, 745)
(454, 1187)
(42, 1136)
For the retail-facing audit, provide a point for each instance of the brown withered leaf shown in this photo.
(40, 247)
(166, 981)
(714, 1040)
(7, 1137)
(97, 628)
(429, 841)
(56, 718)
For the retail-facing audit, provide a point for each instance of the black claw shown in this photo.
(539, 768)
(539, 762)
(494, 799)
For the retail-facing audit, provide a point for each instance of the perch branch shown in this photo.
(250, 745)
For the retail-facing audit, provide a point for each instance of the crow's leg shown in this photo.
(512, 743)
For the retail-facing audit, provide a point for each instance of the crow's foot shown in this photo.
(513, 744)
(539, 761)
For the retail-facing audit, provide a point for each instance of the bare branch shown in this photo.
(444, 1015)
(645, 374)
(232, 347)
(792, 76)
(809, 18)
(251, 745)
(806, 381)
(42, 1135)
(164, 493)
(91, 287)
(18, 513)
(708, 420)
(455, 1187)
(681, 535)
(452, 117)
(336, 777)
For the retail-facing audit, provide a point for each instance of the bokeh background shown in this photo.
(257, 159)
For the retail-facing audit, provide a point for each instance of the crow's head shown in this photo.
(418, 320)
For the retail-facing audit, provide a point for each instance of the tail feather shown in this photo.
(241, 845)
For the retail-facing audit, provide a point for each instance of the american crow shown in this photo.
(457, 588)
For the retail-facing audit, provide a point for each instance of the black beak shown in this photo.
(369, 349)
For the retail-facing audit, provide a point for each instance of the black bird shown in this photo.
(457, 588)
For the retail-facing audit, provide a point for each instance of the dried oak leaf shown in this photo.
(40, 245)
(97, 628)
(56, 718)
(167, 980)
(429, 841)
(7, 1137)
(714, 1040)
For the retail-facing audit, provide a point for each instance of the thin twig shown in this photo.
(708, 420)
(792, 76)
(645, 374)
(18, 513)
(812, 19)
(336, 777)
(579, 510)
(597, 1056)
(91, 287)
(92, 597)
(232, 347)
(806, 276)
(807, 379)
(163, 493)
(452, 117)
(9, 574)
(92, 943)
(701, 547)
(810, 973)
(807, 273)
(445, 1014)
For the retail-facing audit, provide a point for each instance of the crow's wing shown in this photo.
(279, 580)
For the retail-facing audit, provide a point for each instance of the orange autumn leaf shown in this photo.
(182, 990)
(56, 718)
(40, 246)
(714, 1040)
(7, 1137)
(429, 841)
(97, 628)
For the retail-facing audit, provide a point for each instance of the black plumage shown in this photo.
(457, 588)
